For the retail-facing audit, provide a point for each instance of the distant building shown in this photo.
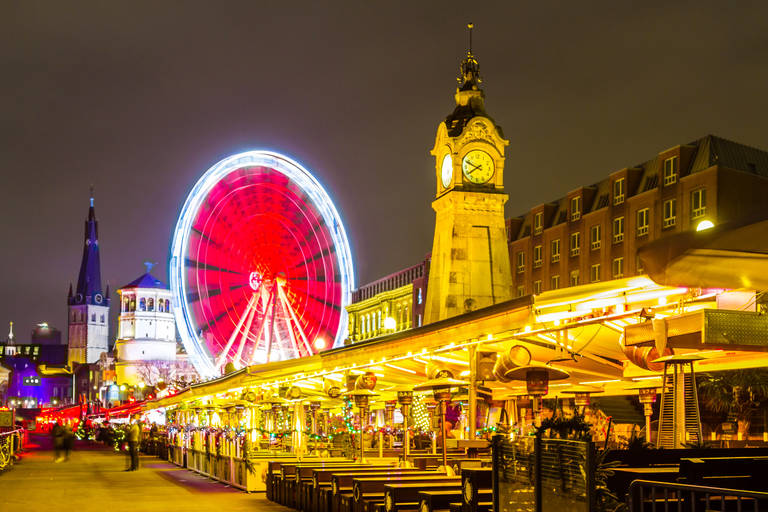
(146, 338)
(88, 304)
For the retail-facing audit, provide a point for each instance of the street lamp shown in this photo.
(581, 395)
(537, 378)
(442, 391)
(361, 398)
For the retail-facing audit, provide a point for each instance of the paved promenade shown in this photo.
(94, 480)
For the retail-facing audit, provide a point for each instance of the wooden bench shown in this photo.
(291, 474)
(321, 483)
(372, 489)
(433, 500)
(473, 481)
(282, 472)
(405, 496)
(342, 484)
(307, 477)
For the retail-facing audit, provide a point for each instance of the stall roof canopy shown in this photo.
(727, 256)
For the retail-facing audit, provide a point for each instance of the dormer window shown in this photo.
(538, 223)
(618, 191)
(671, 169)
(575, 208)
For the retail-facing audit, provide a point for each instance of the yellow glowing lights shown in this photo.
(390, 324)
(704, 225)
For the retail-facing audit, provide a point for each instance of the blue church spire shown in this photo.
(88, 289)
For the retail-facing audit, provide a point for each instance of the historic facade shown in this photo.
(146, 339)
(88, 305)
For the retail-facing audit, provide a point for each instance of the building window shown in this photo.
(618, 230)
(419, 297)
(142, 304)
(520, 262)
(538, 223)
(670, 213)
(555, 249)
(574, 278)
(537, 256)
(594, 273)
(639, 265)
(670, 170)
(418, 320)
(575, 243)
(642, 221)
(151, 304)
(520, 291)
(536, 287)
(618, 191)
(102, 318)
(698, 203)
(555, 282)
(576, 208)
(618, 268)
(595, 235)
(93, 317)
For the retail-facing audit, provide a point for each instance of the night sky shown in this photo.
(140, 98)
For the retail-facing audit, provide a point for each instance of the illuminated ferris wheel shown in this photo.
(260, 267)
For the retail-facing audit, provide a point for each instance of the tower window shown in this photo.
(618, 191)
(93, 317)
(142, 304)
(150, 304)
(575, 243)
(419, 298)
(538, 223)
(594, 273)
(618, 230)
(671, 170)
(537, 256)
(642, 221)
(595, 236)
(670, 213)
(102, 318)
(555, 250)
(575, 208)
(698, 203)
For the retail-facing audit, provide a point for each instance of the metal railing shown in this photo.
(645, 495)
(10, 443)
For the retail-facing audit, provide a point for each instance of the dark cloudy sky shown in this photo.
(140, 98)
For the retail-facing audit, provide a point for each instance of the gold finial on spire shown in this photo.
(470, 26)
(469, 70)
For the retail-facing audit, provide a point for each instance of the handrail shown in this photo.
(635, 494)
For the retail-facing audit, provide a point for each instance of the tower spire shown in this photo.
(89, 279)
(11, 336)
(469, 70)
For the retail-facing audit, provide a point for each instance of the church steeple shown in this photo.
(88, 289)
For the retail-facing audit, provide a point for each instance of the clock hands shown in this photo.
(476, 167)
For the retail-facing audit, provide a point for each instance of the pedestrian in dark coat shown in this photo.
(57, 433)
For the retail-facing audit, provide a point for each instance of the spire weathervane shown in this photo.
(92, 183)
(469, 69)
(149, 266)
(470, 26)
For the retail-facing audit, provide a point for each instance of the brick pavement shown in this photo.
(94, 480)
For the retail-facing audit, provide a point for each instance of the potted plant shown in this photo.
(740, 392)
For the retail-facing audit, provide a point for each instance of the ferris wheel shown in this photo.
(260, 268)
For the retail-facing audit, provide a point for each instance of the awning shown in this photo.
(728, 256)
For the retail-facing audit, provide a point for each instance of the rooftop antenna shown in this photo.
(92, 189)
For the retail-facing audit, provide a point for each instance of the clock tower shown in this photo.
(470, 266)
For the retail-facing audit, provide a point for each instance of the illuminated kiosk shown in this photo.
(260, 265)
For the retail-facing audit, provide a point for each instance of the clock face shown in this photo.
(477, 166)
(446, 171)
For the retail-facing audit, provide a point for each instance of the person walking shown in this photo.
(132, 437)
(68, 441)
(57, 433)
